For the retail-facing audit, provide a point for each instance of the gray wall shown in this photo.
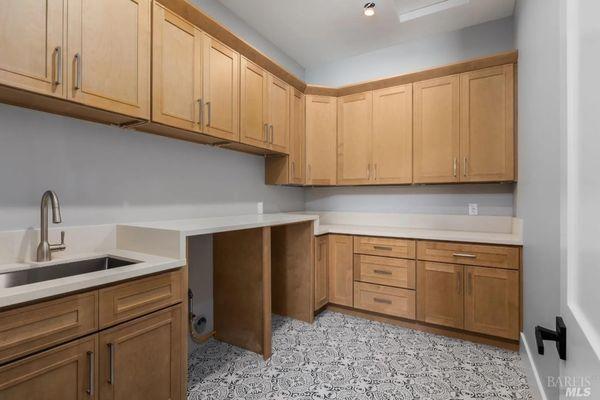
(106, 174)
(434, 199)
(537, 36)
(449, 47)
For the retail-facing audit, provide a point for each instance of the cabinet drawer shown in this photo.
(29, 329)
(385, 247)
(384, 300)
(132, 299)
(469, 254)
(385, 271)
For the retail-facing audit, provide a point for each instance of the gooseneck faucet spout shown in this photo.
(45, 249)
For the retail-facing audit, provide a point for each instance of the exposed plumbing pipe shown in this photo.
(194, 321)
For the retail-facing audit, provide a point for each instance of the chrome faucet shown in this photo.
(45, 249)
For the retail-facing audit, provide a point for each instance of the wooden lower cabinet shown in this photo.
(340, 270)
(67, 373)
(141, 359)
(440, 294)
(321, 271)
(492, 302)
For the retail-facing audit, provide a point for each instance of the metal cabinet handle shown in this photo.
(381, 272)
(208, 106)
(464, 255)
(271, 127)
(368, 171)
(266, 132)
(454, 167)
(375, 174)
(77, 60)
(383, 301)
(458, 283)
(111, 361)
(309, 173)
(293, 169)
(200, 112)
(387, 248)
(90, 389)
(57, 63)
(465, 167)
(469, 283)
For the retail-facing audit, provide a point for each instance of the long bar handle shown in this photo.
(293, 169)
(200, 112)
(387, 248)
(111, 362)
(91, 363)
(209, 107)
(383, 301)
(458, 283)
(271, 128)
(464, 255)
(469, 283)
(454, 167)
(57, 55)
(77, 60)
(381, 272)
(266, 132)
(465, 167)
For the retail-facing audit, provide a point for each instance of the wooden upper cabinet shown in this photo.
(341, 271)
(32, 55)
(393, 135)
(487, 138)
(108, 60)
(253, 105)
(440, 294)
(436, 130)
(297, 138)
(492, 302)
(279, 114)
(176, 74)
(321, 138)
(354, 154)
(221, 86)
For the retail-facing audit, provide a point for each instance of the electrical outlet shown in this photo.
(259, 207)
(473, 209)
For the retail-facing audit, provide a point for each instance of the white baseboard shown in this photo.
(531, 370)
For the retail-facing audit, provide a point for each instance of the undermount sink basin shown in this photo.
(56, 271)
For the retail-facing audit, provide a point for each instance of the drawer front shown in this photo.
(385, 271)
(384, 300)
(469, 254)
(29, 329)
(385, 247)
(133, 299)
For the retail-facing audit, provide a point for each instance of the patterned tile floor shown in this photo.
(344, 357)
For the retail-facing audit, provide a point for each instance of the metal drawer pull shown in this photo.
(382, 272)
(200, 112)
(209, 112)
(383, 301)
(271, 141)
(464, 255)
(458, 283)
(454, 167)
(111, 355)
(77, 72)
(58, 65)
(469, 283)
(90, 389)
(388, 248)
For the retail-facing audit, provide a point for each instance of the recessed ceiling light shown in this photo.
(370, 9)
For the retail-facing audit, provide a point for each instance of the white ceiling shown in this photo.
(315, 32)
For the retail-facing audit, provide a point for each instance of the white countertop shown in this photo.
(149, 264)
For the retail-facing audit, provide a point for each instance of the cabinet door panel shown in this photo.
(492, 302)
(436, 130)
(392, 135)
(177, 78)
(31, 44)
(67, 373)
(221, 90)
(354, 139)
(297, 137)
(253, 111)
(340, 270)
(487, 125)
(141, 359)
(279, 114)
(321, 138)
(109, 55)
(440, 294)
(321, 271)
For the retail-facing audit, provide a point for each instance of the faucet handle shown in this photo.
(59, 246)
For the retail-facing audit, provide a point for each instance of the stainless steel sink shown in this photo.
(56, 271)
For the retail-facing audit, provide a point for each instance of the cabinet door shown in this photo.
(492, 302)
(354, 138)
(392, 135)
(436, 130)
(297, 137)
(31, 45)
(321, 271)
(67, 373)
(142, 359)
(109, 55)
(279, 114)
(440, 294)
(340, 270)
(176, 74)
(321, 138)
(487, 125)
(221, 90)
(253, 105)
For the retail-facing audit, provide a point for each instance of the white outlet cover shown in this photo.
(259, 207)
(473, 209)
